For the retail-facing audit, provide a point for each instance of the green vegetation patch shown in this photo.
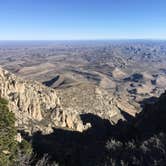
(9, 147)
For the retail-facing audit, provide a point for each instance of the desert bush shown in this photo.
(150, 152)
(44, 161)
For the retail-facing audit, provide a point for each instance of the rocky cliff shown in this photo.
(88, 98)
(38, 108)
(35, 106)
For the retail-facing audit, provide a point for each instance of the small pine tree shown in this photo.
(9, 147)
(8, 144)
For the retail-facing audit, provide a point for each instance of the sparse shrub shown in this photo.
(44, 161)
(25, 147)
(3, 101)
(150, 152)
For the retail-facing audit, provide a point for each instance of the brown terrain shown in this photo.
(80, 101)
(100, 77)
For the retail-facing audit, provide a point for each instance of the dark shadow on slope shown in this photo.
(152, 119)
(127, 116)
(49, 83)
(73, 148)
(136, 77)
(148, 101)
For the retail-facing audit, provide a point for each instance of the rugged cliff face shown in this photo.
(36, 107)
(29, 98)
(88, 98)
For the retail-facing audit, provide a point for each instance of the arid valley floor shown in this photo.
(92, 76)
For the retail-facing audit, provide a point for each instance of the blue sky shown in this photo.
(82, 19)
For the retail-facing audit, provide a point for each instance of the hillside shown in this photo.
(48, 120)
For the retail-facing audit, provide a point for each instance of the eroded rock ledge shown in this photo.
(36, 107)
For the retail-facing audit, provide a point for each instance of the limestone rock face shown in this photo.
(27, 99)
(161, 81)
(69, 119)
(88, 98)
(18, 137)
(36, 107)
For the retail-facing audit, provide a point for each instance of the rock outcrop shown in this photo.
(88, 98)
(36, 107)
